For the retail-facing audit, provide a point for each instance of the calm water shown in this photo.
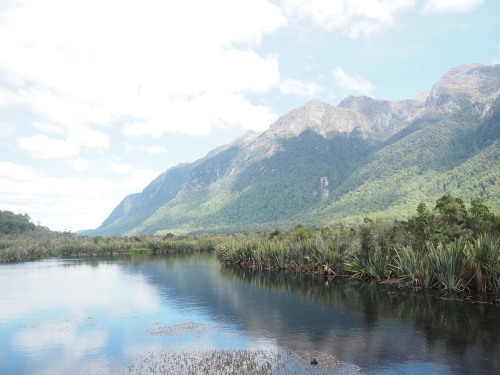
(86, 316)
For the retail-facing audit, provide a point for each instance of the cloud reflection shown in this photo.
(74, 288)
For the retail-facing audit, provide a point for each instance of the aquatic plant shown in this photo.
(447, 262)
(374, 264)
(230, 362)
(413, 265)
(43, 243)
(483, 263)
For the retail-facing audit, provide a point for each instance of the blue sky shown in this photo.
(98, 97)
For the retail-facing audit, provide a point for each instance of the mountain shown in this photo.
(321, 163)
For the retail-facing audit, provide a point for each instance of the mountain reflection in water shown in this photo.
(370, 323)
(124, 304)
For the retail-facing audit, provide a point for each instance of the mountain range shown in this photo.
(320, 164)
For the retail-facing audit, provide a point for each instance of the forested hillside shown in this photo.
(320, 164)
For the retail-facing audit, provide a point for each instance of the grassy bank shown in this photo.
(41, 243)
(449, 247)
(456, 266)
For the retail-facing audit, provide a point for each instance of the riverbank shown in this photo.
(450, 248)
(42, 243)
(458, 266)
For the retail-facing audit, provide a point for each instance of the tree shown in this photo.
(480, 219)
(422, 226)
(15, 223)
(451, 216)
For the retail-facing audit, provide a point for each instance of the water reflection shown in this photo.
(95, 315)
(439, 317)
(372, 322)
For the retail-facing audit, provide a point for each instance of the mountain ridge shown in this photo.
(315, 161)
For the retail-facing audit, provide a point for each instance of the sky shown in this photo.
(98, 97)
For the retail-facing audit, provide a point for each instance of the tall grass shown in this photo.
(374, 265)
(462, 264)
(456, 266)
(311, 255)
(483, 264)
(413, 265)
(447, 262)
(42, 244)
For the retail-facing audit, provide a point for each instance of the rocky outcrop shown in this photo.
(321, 118)
(462, 86)
(387, 116)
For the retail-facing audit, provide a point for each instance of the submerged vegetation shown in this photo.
(449, 247)
(241, 361)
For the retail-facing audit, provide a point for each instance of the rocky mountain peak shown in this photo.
(386, 116)
(246, 138)
(320, 117)
(463, 85)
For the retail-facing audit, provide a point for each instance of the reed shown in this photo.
(372, 265)
(221, 362)
(413, 265)
(42, 244)
(483, 264)
(448, 264)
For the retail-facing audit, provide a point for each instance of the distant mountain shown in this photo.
(320, 163)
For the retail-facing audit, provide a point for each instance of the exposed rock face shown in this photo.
(387, 116)
(321, 118)
(462, 86)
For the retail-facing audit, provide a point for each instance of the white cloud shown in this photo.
(144, 174)
(451, 6)
(119, 167)
(9, 97)
(16, 172)
(353, 18)
(48, 128)
(198, 115)
(66, 203)
(64, 110)
(49, 148)
(155, 150)
(76, 137)
(352, 84)
(90, 62)
(80, 164)
(7, 129)
(89, 138)
(308, 89)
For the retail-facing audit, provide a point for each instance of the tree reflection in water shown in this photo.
(446, 322)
